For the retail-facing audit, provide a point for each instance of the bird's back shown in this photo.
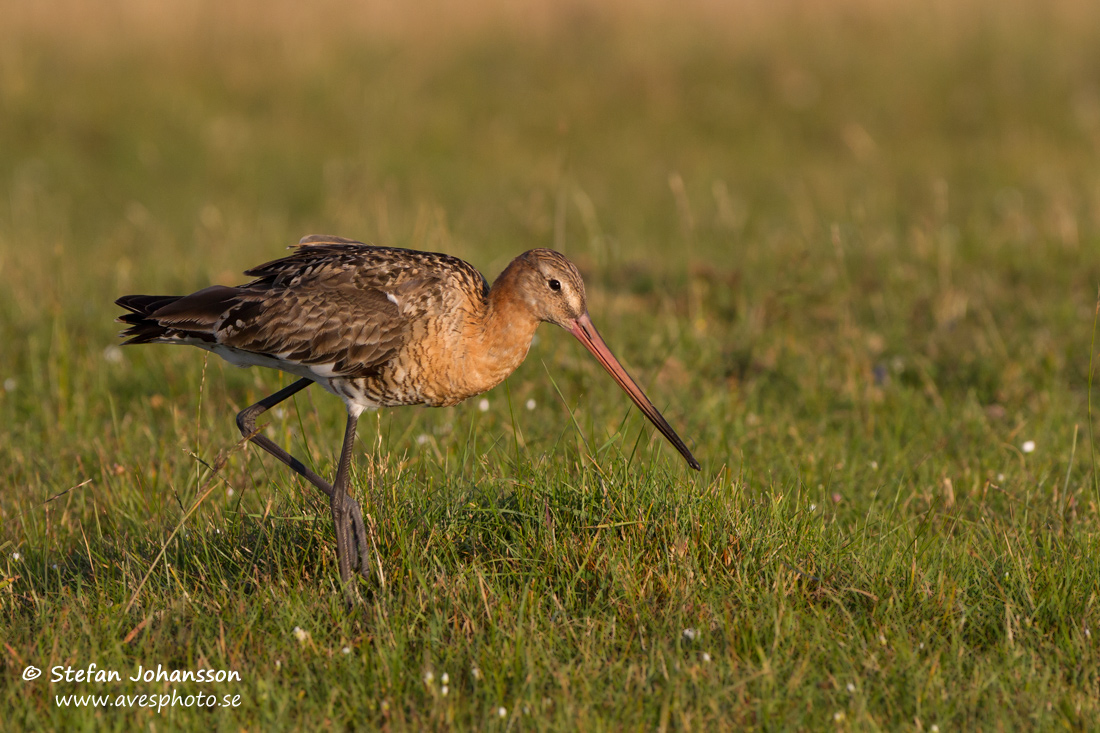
(363, 321)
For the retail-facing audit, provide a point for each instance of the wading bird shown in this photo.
(378, 327)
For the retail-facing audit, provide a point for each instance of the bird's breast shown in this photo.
(490, 353)
(450, 364)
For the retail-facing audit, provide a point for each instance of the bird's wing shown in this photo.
(340, 307)
(339, 331)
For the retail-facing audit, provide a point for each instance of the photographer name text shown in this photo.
(93, 673)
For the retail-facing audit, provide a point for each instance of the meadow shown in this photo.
(850, 249)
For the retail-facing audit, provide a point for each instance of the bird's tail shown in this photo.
(142, 326)
(189, 319)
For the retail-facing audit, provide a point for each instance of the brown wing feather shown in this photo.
(322, 256)
(199, 311)
(334, 302)
(349, 331)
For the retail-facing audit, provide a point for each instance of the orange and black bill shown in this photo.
(587, 334)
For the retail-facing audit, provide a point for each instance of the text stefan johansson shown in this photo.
(92, 673)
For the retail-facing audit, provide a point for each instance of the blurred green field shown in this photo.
(851, 250)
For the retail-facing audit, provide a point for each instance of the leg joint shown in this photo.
(246, 422)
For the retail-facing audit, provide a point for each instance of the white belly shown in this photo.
(354, 398)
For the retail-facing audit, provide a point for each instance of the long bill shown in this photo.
(587, 334)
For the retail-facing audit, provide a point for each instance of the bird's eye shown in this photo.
(554, 285)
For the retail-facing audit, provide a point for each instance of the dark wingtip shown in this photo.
(694, 463)
(141, 328)
(130, 302)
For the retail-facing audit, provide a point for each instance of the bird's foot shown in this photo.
(365, 540)
(353, 544)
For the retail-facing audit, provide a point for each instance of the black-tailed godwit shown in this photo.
(378, 327)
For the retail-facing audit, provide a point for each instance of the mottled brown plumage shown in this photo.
(379, 327)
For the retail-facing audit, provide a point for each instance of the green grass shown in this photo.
(850, 253)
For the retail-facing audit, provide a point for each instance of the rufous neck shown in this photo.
(498, 341)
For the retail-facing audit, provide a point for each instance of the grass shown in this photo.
(849, 250)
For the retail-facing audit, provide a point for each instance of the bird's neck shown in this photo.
(500, 338)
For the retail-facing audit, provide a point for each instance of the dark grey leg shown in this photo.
(246, 423)
(346, 513)
(341, 503)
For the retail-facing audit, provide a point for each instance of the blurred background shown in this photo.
(848, 247)
(797, 219)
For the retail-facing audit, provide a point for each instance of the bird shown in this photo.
(378, 327)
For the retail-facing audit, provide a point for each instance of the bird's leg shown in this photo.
(246, 422)
(347, 516)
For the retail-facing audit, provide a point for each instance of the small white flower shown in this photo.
(838, 716)
(813, 507)
(475, 672)
(690, 634)
(54, 566)
(301, 634)
(851, 687)
(445, 678)
(921, 645)
(1088, 634)
(423, 438)
(113, 355)
(935, 728)
(874, 465)
(1028, 446)
(502, 712)
(229, 492)
(444, 690)
(706, 657)
(384, 705)
(882, 639)
(429, 677)
(1000, 477)
(483, 405)
(346, 650)
(10, 384)
(217, 531)
(16, 556)
(278, 664)
(531, 404)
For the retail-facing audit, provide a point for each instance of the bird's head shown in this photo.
(551, 290)
(551, 287)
